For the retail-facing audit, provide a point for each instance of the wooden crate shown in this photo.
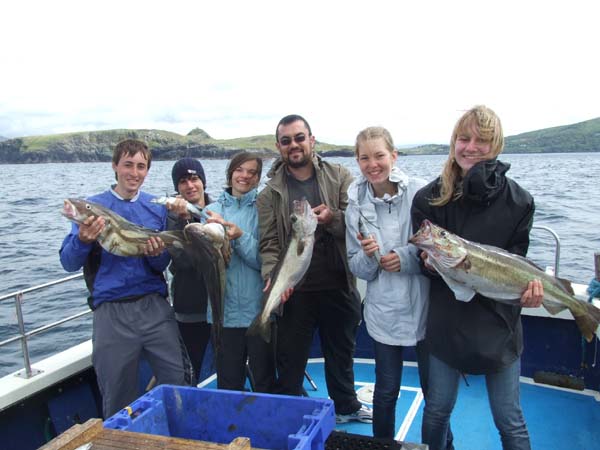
(92, 432)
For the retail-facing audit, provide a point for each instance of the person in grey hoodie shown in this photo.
(378, 226)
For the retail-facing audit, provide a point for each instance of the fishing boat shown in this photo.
(560, 385)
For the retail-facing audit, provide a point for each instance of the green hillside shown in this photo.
(578, 137)
(166, 145)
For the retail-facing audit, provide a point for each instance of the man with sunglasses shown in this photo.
(327, 298)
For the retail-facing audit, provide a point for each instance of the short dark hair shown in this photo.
(131, 147)
(237, 160)
(290, 119)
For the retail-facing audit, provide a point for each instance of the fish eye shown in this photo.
(443, 233)
(88, 206)
(293, 219)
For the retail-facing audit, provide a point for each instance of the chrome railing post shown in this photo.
(556, 247)
(21, 322)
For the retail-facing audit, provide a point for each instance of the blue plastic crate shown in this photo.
(270, 421)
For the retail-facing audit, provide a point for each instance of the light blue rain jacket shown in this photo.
(395, 305)
(243, 294)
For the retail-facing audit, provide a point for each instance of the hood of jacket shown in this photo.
(485, 181)
(360, 185)
(226, 199)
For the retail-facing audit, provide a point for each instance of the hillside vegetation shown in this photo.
(578, 137)
(165, 145)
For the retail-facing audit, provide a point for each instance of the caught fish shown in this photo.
(291, 267)
(119, 237)
(469, 268)
(206, 245)
(209, 252)
(362, 227)
(195, 211)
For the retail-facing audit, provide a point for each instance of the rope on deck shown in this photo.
(593, 289)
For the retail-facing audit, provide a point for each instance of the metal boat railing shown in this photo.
(556, 245)
(23, 336)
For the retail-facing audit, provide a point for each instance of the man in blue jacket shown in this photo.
(132, 317)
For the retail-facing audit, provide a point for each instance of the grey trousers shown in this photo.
(124, 332)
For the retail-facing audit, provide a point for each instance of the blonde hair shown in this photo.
(375, 133)
(489, 129)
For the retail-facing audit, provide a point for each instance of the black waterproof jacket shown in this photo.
(481, 336)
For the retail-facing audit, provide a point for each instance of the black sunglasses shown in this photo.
(286, 140)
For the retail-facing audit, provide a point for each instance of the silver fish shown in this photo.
(291, 267)
(362, 227)
(469, 268)
(195, 211)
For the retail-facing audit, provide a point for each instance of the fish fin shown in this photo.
(588, 321)
(566, 284)
(257, 328)
(554, 308)
(300, 248)
(461, 291)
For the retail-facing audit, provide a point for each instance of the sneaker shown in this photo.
(364, 415)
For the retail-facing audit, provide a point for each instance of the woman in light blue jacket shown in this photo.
(236, 210)
(378, 226)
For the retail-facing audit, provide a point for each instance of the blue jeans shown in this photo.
(503, 395)
(388, 374)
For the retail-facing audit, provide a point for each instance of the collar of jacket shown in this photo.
(360, 186)
(485, 181)
(249, 198)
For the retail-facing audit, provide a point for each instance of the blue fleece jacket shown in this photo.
(120, 277)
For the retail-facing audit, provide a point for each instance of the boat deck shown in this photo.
(557, 418)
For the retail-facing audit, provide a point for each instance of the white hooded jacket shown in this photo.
(395, 305)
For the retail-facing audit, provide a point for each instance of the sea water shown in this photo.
(565, 188)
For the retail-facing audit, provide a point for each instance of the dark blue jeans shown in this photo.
(503, 395)
(388, 375)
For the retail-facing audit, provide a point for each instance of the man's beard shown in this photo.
(297, 164)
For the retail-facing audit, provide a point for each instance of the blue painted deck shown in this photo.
(557, 418)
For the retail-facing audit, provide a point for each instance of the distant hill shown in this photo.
(578, 137)
(98, 145)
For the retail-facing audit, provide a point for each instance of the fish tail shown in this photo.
(588, 320)
(258, 328)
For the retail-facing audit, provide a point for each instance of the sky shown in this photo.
(234, 68)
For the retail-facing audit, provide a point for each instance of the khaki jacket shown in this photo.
(274, 220)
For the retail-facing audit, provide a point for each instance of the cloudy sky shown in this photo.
(233, 68)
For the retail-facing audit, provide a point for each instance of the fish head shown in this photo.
(78, 210)
(445, 248)
(303, 219)
(214, 232)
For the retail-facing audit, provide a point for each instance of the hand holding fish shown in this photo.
(154, 246)
(90, 229)
(285, 295)
(323, 213)
(390, 262)
(232, 230)
(533, 295)
(179, 207)
(425, 259)
(368, 244)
